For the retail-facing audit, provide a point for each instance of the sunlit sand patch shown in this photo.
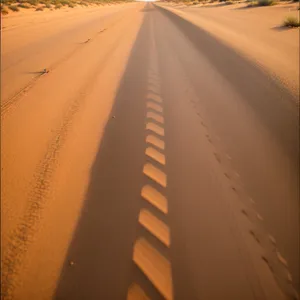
(154, 97)
(154, 116)
(154, 106)
(135, 292)
(155, 198)
(158, 228)
(155, 266)
(151, 139)
(155, 174)
(155, 155)
(155, 128)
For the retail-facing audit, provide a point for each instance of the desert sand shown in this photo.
(149, 150)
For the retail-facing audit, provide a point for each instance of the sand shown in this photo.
(100, 105)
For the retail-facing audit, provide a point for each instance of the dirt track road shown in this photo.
(152, 161)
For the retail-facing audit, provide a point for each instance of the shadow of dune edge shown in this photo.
(281, 28)
(99, 264)
(224, 62)
(278, 111)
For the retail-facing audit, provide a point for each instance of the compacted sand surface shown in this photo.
(150, 151)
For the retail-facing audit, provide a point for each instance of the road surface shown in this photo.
(148, 161)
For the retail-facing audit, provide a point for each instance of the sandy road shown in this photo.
(52, 121)
(144, 164)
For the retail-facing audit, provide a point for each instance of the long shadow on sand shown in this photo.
(98, 264)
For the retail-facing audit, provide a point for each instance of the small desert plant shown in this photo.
(291, 21)
(58, 6)
(266, 2)
(39, 9)
(14, 8)
(4, 11)
(261, 3)
(72, 5)
(23, 5)
(33, 2)
(48, 5)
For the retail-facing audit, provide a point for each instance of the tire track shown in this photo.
(276, 263)
(23, 235)
(245, 207)
(104, 18)
(5, 107)
(242, 207)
